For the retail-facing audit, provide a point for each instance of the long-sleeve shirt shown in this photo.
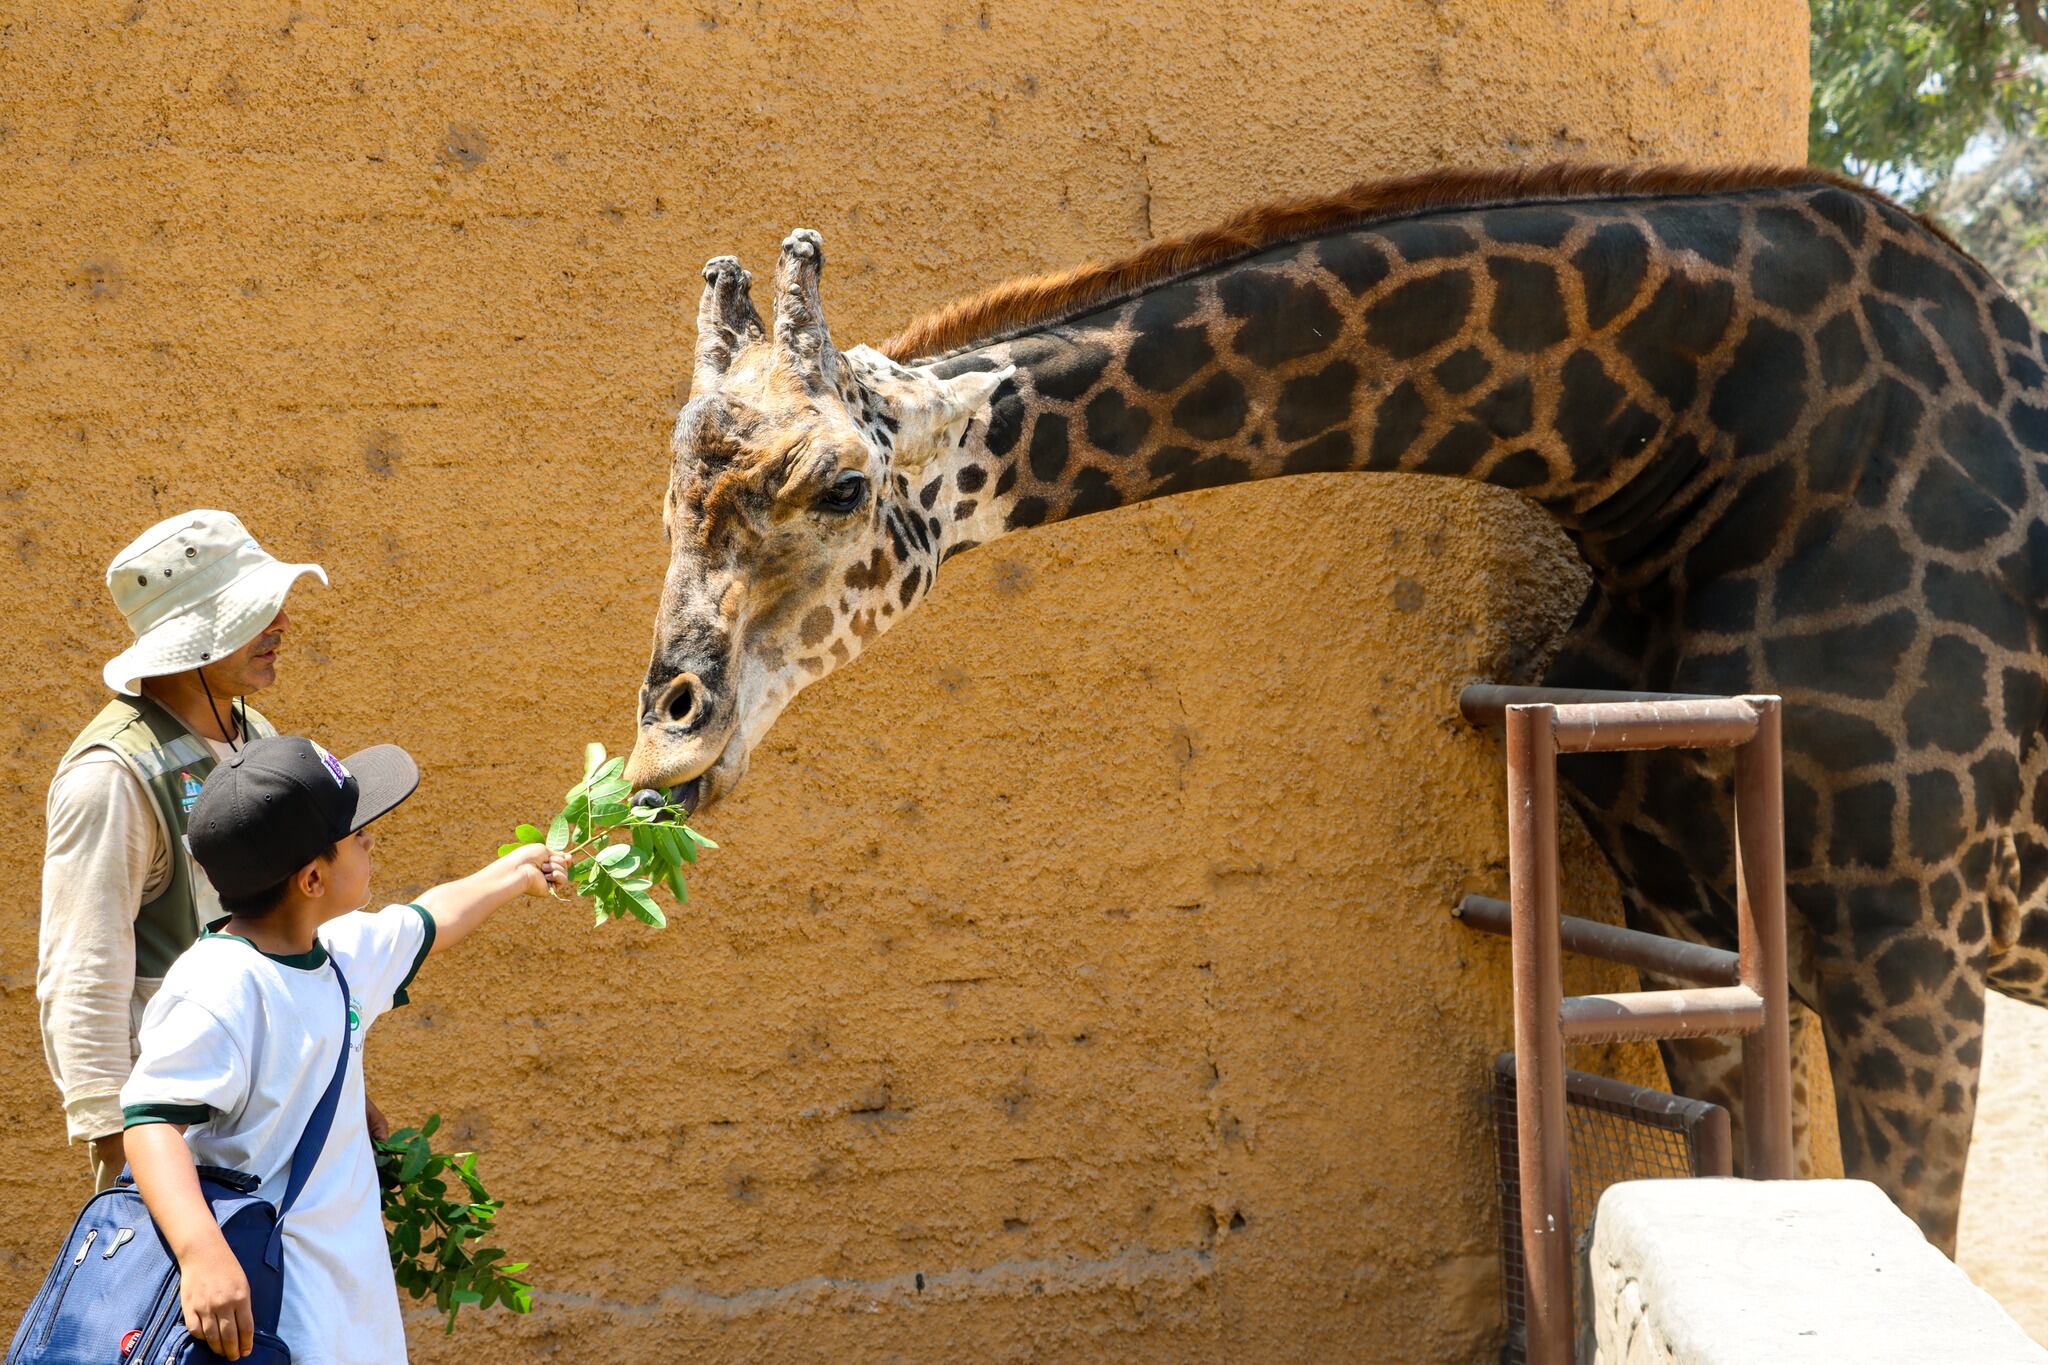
(104, 858)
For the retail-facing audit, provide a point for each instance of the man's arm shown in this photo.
(214, 1291)
(97, 858)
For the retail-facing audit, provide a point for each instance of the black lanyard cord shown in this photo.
(241, 730)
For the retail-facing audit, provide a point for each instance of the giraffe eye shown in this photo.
(845, 492)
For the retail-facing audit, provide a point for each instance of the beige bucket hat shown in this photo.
(194, 588)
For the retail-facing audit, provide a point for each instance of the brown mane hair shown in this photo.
(1041, 299)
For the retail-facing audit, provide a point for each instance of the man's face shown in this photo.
(251, 668)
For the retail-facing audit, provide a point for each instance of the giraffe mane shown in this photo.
(1040, 300)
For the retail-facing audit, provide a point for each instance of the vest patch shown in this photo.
(189, 791)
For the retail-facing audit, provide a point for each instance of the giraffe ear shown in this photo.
(966, 395)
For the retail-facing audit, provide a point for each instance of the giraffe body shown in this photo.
(1800, 439)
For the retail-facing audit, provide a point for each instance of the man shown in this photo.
(121, 894)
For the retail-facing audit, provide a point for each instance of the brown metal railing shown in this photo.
(1748, 1000)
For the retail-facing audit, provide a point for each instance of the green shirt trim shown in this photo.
(135, 1115)
(316, 956)
(399, 996)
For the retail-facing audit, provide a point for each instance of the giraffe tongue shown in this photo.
(686, 795)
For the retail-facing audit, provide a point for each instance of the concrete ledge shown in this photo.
(1716, 1272)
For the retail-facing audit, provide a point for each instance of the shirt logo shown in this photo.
(188, 791)
(355, 1015)
(129, 1339)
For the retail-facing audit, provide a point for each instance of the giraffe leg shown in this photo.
(1905, 1042)
(2019, 960)
(1711, 1069)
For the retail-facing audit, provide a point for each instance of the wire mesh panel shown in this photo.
(1617, 1132)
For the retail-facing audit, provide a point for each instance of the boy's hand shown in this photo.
(215, 1296)
(536, 867)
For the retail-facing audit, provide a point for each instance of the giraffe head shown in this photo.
(794, 534)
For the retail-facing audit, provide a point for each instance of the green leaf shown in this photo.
(642, 905)
(558, 832)
(528, 834)
(700, 840)
(613, 857)
(593, 758)
(503, 849)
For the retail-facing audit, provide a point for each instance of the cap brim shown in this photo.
(385, 775)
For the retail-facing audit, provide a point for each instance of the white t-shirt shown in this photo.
(240, 1045)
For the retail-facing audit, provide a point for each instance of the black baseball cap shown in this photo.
(280, 803)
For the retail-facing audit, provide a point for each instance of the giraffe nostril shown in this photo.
(682, 702)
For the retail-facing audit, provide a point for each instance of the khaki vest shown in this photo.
(171, 763)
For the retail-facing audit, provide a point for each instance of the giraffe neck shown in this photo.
(1581, 354)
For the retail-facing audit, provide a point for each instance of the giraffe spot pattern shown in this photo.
(1462, 369)
(1611, 268)
(1684, 320)
(1427, 241)
(1760, 399)
(1904, 345)
(1357, 263)
(1419, 316)
(1528, 306)
(1214, 410)
(1528, 226)
(1165, 359)
(1071, 372)
(1284, 319)
(1315, 402)
(1396, 424)
(1796, 265)
(1842, 353)
(1115, 425)
(1948, 711)
(1048, 454)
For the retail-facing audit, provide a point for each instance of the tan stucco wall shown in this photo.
(1083, 950)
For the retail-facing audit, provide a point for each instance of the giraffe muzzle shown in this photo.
(685, 795)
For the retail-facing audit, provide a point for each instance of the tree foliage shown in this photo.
(1900, 87)
(1943, 103)
(1998, 208)
(439, 1213)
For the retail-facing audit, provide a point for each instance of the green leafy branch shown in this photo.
(439, 1214)
(617, 876)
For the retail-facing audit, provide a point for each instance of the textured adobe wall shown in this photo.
(1075, 982)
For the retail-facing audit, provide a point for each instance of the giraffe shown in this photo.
(1799, 437)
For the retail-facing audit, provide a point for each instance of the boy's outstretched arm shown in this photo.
(213, 1290)
(460, 906)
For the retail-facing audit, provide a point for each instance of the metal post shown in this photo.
(1760, 923)
(1540, 1131)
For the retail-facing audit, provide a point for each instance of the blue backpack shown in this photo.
(112, 1296)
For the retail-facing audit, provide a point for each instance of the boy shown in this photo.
(239, 1043)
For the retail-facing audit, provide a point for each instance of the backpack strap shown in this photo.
(314, 1140)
